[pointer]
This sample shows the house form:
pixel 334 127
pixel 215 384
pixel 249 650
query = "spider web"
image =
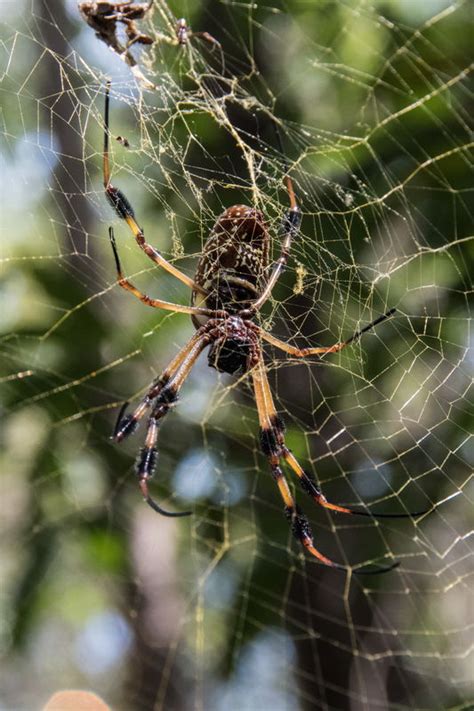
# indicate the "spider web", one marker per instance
pixel 223 610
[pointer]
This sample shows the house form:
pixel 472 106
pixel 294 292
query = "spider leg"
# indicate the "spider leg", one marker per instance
pixel 127 424
pixel 166 399
pixel 148 300
pixel 119 419
pixel 305 352
pixel 162 396
pixel 273 446
pixel 145 467
pixel 307 482
pixel 289 229
pixel 205 36
pixel 310 487
pixel 125 211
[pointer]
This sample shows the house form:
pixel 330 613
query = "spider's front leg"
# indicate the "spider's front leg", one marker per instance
pixel 160 398
pixel 273 446
pixel 272 443
pixel 148 456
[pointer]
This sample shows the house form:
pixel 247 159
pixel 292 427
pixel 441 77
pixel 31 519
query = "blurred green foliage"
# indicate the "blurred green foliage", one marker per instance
pixel 372 111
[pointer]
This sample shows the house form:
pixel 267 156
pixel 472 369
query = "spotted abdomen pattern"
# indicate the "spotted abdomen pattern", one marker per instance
pixel 234 263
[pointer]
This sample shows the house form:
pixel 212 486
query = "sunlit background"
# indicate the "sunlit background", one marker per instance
pixel 221 610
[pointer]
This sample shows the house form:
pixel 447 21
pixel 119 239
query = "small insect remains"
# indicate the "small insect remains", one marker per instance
pixel 234 278
pixel 104 18
pixel 123 140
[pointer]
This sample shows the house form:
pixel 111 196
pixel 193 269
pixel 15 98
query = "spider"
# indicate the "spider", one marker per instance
pixel 230 286
pixel 182 33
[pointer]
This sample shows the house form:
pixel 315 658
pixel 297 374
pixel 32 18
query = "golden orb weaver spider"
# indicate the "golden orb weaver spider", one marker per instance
pixel 229 288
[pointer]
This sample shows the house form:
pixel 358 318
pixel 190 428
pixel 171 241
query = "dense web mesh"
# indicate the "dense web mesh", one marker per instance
pixel 224 610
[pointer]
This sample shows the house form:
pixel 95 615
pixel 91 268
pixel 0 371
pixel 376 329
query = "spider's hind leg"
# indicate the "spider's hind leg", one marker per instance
pixel 125 211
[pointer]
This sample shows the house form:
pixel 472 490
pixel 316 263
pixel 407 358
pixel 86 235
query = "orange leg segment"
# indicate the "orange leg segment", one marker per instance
pixel 322 350
pixel 273 446
pixel 125 211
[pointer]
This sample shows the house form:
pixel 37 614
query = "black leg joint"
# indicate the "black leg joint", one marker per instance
pixel 167 396
pixel 299 523
pixel 278 424
pixel 119 202
pixel 276 472
pixel 270 438
pixel 269 443
pixel 158 386
pixel 146 462
pixel 125 427
pixel 292 221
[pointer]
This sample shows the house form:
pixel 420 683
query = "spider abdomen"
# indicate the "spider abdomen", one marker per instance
pixel 234 262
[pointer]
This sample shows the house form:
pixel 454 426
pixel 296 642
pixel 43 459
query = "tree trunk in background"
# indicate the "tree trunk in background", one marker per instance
pixel 145 682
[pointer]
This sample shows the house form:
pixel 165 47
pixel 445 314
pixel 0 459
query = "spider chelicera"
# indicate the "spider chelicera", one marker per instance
pixel 231 284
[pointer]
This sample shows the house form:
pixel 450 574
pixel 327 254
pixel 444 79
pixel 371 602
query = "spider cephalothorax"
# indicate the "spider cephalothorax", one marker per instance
pixel 236 346
pixel 233 280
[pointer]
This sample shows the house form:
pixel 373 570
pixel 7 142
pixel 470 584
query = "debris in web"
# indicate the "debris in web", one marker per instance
pixel 105 17
pixel 123 140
